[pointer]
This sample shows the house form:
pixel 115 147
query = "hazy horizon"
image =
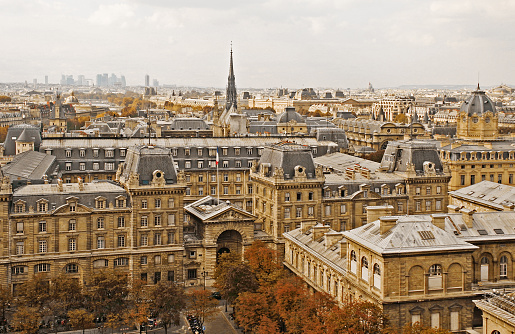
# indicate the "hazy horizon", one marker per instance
pixel 276 43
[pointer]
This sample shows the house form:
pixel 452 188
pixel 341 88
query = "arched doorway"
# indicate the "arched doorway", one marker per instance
pixel 229 241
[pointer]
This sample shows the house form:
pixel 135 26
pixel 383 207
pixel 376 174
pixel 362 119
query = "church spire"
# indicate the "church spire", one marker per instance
pixel 231 95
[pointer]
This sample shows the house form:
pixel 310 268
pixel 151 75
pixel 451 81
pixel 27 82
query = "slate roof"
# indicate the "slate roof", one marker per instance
pixel 290 115
pixel 209 207
pixel 478 103
pixel 317 248
pixel 410 234
pixel 32 193
pixel 14 132
pixel 487 193
pixel 399 154
pixel 30 165
pixel 288 155
pixel 339 162
pixel 144 160
pixel 486 226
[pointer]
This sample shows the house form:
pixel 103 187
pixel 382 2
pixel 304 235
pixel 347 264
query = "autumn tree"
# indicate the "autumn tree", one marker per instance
pixel 264 263
pixel 202 305
pixel 417 328
pixel 80 319
pixel 4 98
pixel 401 118
pixel 107 293
pixel 65 293
pixel 6 299
pixel 137 305
pixel 233 276
pixel 35 292
pixel 3 132
pixel 357 316
pixel 26 320
pixel 252 308
pixel 376 156
pixel 167 300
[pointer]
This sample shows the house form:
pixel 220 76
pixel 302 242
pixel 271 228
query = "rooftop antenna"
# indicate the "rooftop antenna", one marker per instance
pixel 478 80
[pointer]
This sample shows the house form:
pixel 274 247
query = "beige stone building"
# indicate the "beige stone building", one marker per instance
pixel 484 196
pixel 498 312
pixel 422 268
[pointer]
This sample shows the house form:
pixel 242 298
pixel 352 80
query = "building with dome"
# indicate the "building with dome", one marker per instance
pixel 478 153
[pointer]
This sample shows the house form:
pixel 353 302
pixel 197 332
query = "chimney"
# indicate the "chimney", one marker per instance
pixel 60 184
pixel 81 183
pixel 374 212
pixel 349 173
pixel 331 238
pixel 438 220
pixel 453 208
pixel 319 230
pixel 467 216
pixel 343 248
pixel 386 223
pixel 365 172
pixel 306 225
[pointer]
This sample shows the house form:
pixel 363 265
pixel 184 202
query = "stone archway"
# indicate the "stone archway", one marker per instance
pixel 229 241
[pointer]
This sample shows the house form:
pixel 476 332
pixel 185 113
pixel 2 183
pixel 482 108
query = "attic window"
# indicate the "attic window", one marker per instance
pixel 470 193
pixel 492 199
pixel 426 235
pixel 481 196
pixel 498 231
pixel 463 227
pixel 482 232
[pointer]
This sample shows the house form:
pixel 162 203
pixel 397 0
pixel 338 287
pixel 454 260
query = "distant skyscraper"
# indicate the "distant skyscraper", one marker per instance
pixel 99 79
pixel 231 95
pixel 46 79
pixel 35 82
pixel 122 80
pixel 155 83
pixel 105 79
pixel 147 80
pixel 81 80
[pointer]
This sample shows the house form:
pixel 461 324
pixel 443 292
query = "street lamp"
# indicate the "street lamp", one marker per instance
pixel 204 274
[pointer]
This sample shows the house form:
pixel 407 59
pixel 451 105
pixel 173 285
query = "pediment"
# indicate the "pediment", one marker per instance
pixel 232 214
pixel 65 209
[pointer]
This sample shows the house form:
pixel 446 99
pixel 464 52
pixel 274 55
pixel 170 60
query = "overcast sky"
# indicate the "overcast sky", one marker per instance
pixel 288 43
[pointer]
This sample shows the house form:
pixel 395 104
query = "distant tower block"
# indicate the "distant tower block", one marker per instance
pixel 147 80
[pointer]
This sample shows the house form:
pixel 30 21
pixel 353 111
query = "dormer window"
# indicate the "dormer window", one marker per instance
pixel 68 153
pixel 19 207
pixel 82 153
pixel 100 203
pixel 120 202
pixel 95 153
pixel 73 207
pixel 123 152
pixel 42 206
pixel 109 153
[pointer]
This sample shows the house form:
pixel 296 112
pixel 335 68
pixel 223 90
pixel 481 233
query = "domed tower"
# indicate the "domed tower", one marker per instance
pixel 477 118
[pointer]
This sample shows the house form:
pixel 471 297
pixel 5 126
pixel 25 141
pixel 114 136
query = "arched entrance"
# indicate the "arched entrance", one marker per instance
pixel 229 241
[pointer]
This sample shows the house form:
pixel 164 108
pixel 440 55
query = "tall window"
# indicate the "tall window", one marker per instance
pixel 435 276
pixel 144 204
pixel 157 239
pixel 144 221
pixel 157 220
pixel 286 212
pixel 42 246
pixel 377 276
pixel 299 213
pixel 42 226
pixel 353 262
pixel 364 268
pixel 101 242
pixel 157 203
pixel 503 267
pixel 20 248
pixel 121 221
pixel 72 244
pixel 121 241
pixel 100 222
pixel 287 197
pixel 144 240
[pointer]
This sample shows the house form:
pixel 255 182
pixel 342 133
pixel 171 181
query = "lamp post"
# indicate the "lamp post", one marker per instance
pixel 204 274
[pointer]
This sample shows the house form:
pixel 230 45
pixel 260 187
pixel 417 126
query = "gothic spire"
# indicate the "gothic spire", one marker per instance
pixel 231 96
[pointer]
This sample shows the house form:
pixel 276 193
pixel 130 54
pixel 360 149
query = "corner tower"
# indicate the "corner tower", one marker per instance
pixel 477 118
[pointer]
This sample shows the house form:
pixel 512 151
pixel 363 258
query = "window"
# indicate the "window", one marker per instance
pixel 42 226
pixel 327 210
pixel 157 220
pixel 311 211
pixel 377 276
pixel 95 153
pixel 286 213
pixel 364 268
pixel 353 262
pixel 192 273
pixel 157 259
pixel 72 225
pixel 417 191
pixel 17 270
pixel 200 164
pixel 226 177
pixel 171 276
pixel 193 254
pixel 428 205
pixel 171 203
pixel 101 242
pixel 68 166
pixel 72 268
pixel 213 191
pixel 226 190
pixel 144 204
pixel 143 240
pixel 96 166
pixel 157 239
pixel 287 197
pixel 20 248
pixel 418 206
pixel 82 166
pixel 249 189
pixel 298 213
pixel 42 246
pixel 435 320
pixel 199 152
pixel 144 221
pixel 100 223
pixel 299 196
pixel 499 178
pixel 238 163
pixel 143 260
pixel 100 204
pixel 121 241
pixel 503 267
pixel 42 206
pixel 249 151
pixel 435 277
pixel 121 261
pixel 187 164
pixel 462 180
pixel 238 190
pixel 19 227
pixel 438 190
pixel 122 152
pixel 438 204
pixel 171 219
pixel 428 190
pixel 121 221
pixel 201 191
pixel 82 153
pixel 171 237
pixel 225 164
pixel 72 244
pixel 343 208
pixel 399 207
pixel 18 208
pixel 42 268
pixel 187 151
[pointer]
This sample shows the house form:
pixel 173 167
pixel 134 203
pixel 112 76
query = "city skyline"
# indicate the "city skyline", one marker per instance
pixel 276 43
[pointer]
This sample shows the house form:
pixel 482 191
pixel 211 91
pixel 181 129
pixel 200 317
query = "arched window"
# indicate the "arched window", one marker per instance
pixel 364 268
pixel 353 262
pixel 377 276
pixel 496 332
pixel 503 267
pixel 484 268
pixel 435 277
pixel 71 268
